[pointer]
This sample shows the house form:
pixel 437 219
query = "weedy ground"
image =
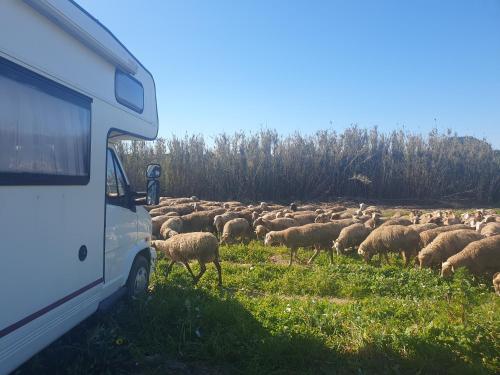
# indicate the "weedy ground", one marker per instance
pixel 345 318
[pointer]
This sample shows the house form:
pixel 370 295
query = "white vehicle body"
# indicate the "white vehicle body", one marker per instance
pixel 68 90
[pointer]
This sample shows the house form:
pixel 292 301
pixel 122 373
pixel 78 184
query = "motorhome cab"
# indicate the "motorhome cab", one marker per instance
pixel 73 236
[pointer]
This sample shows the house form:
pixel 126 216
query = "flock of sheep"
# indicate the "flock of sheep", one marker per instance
pixel 184 229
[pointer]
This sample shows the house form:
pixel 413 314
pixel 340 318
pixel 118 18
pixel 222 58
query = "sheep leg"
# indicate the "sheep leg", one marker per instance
pixel 406 258
pixel 292 251
pixel 169 268
pixel 219 271
pixel 386 257
pixel 330 253
pixel 203 268
pixel 186 264
pixel 316 252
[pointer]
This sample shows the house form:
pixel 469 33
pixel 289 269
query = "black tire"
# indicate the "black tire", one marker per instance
pixel 138 279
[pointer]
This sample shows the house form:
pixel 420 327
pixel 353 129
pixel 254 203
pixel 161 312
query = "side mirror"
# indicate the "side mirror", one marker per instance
pixel 153 192
pixel 153 171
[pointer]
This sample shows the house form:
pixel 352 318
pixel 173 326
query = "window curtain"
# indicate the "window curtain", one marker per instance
pixel 41 133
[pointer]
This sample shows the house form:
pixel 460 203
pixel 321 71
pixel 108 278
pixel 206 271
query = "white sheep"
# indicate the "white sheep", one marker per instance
pixel 350 237
pixel 182 248
pixel 391 238
pixel 234 229
pixel 478 257
pixel 171 227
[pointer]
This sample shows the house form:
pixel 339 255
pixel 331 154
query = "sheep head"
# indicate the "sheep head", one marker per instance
pixel 365 254
pixel 446 269
pixel 423 259
pixel 270 240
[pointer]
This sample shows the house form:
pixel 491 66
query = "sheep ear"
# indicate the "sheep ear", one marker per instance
pixel 452 269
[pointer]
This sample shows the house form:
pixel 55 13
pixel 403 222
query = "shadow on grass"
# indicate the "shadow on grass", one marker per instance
pixel 184 330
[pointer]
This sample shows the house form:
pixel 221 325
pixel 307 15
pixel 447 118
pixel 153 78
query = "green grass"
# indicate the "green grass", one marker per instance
pixel 349 317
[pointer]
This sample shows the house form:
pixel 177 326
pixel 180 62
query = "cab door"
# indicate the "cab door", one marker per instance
pixel 121 221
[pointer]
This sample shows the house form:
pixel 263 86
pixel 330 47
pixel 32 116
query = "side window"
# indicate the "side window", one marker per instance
pixel 115 181
pixel 44 130
pixel 129 91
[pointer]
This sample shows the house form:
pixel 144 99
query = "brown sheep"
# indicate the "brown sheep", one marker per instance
pixel 490 229
pixel 350 237
pixel 261 231
pixel 478 257
pixel 236 229
pixel 445 245
pixel 276 224
pixel 427 236
pixel 158 221
pixel 374 222
pixel 399 221
pixel 341 215
pixel 171 227
pixel 391 238
pixel 322 218
pixel 221 220
pixel 182 209
pixel 183 248
pixel 304 218
pixel 318 235
pixel 200 221
pixel 419 228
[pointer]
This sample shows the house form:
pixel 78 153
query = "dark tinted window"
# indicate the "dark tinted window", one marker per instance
pixel 129 91
pixel 44 130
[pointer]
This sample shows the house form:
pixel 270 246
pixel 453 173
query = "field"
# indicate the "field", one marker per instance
pixel 349 317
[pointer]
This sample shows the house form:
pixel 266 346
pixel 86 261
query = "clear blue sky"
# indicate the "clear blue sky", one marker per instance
pixel 309 65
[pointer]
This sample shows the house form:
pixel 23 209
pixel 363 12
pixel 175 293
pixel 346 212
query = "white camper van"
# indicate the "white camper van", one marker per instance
pixel 73 235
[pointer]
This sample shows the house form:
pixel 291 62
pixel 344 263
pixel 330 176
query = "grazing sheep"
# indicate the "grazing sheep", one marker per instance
pixel 276 224
pixel 200 221
pixel 341 215
pixel 478 257
pixel 171 227
pixel 318 235
pixel 236 229
pixel 362 218
pixel 303 219
pixel 427 236
pixel 158 221
pixel 182 209
pixel 374 222
pixel 350 237
pixel 199 246
pixel 399 221
pixel 496 283
pixel 221 220
pixel 371 210
pixel 337 209
pixel 490 229
pixel 261 231
pixel 419 228
pixel 295 237
pixel 451 219
pixel 322 218
pixel 445 245
pixel 392 238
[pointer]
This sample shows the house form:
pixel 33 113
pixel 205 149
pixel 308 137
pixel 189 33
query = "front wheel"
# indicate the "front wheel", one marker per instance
pixel 138 279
